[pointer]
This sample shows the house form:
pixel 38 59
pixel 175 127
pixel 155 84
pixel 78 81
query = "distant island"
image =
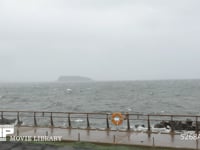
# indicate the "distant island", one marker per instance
pixel 74 79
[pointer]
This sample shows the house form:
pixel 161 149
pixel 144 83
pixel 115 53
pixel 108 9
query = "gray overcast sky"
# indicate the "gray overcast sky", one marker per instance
pixel 102 39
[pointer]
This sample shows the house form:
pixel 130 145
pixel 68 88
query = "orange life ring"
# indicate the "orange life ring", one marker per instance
pixel 117 118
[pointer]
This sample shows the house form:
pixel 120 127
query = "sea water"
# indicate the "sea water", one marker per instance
pixel 157 97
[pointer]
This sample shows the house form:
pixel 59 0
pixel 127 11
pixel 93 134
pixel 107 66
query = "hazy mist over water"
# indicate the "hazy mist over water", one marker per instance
pixel 167 96
pixel 41 40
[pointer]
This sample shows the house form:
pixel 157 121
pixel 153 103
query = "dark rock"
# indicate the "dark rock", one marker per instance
pixel 162 124
pixel 139 125
pixel 189 122
pixel 196 125
pixel 159 125
pixel 7 121
pixel 178 125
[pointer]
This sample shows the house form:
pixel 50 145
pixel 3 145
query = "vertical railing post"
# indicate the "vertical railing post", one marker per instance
pixel 18 121
pixel 107 122
pixel 128 122
pixel 69 121
pixel 172 125
pixel 51 117
pixel 17 131
pixel 197 126
pixel 148 124
pixel 88 123
pixel 35 121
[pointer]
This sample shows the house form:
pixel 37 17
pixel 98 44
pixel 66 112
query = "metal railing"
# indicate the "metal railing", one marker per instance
pixel 90 120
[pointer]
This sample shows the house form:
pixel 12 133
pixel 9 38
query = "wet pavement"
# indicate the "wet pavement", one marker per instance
pixel 98 136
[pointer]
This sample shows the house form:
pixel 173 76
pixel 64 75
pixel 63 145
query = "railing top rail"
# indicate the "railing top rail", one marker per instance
pixel 170 115
pixel 100 113
pixel 55 112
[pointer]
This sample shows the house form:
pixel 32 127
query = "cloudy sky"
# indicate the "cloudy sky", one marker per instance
pixel 102 39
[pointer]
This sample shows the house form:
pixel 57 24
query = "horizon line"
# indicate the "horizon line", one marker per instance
pixel 94 80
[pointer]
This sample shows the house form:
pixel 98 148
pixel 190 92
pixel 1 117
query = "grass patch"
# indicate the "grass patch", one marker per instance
pixel 92 146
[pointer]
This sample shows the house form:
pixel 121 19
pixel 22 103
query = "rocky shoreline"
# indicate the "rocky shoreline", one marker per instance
pixel 187 125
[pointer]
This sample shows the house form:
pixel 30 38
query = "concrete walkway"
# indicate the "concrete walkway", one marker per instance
pixel 117 137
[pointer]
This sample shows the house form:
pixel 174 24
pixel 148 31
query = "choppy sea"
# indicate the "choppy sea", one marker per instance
pixel 158 97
